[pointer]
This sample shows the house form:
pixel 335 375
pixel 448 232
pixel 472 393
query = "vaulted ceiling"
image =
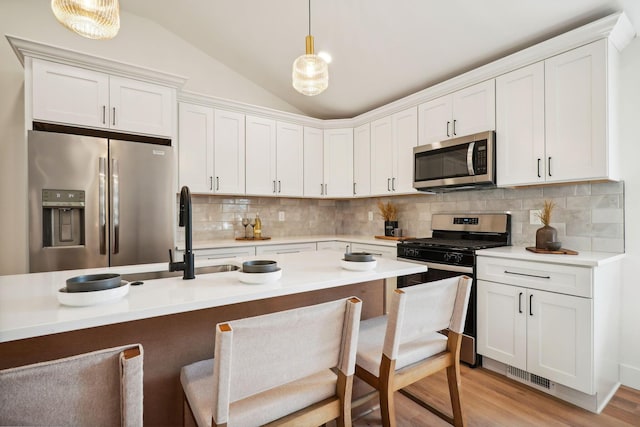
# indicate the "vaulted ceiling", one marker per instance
pixel 382 49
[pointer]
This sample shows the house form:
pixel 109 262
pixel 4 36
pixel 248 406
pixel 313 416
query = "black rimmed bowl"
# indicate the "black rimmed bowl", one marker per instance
pixel 93 282
pixel 358 257
pixel 259 266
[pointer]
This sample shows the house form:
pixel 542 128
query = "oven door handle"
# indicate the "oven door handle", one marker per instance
pixel 447 267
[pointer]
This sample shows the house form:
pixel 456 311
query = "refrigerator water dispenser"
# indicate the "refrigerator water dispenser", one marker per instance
pixel 62 218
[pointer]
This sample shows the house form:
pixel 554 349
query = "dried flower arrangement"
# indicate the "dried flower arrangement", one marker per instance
pixel 388 211
pixel 545 213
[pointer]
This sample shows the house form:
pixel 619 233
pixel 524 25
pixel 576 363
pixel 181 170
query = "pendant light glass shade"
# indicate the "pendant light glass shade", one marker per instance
pixel 93 19
pixel 310 72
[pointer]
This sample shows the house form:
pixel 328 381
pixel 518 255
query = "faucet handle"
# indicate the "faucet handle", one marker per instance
pixel 170 256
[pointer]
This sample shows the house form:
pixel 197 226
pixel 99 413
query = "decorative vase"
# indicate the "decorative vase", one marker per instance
pixel 389 226
pixel 544 235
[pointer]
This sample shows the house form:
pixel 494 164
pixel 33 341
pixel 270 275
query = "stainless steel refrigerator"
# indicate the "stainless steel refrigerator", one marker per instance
pixel 97 202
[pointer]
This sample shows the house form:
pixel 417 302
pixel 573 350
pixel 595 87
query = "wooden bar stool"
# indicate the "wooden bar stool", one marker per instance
pixel 291 368
pixel 102 388
pixel 397 350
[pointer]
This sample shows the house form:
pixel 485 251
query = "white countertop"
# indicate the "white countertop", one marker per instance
pixel 584 259
pixel 29 306
pixel 230 243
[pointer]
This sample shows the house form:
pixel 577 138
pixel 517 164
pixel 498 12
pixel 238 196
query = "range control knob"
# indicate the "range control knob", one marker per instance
pixel 453 257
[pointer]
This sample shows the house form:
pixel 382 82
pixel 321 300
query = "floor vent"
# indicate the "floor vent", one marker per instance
pixel 530 379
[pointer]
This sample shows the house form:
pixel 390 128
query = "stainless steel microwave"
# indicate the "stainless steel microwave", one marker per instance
pixel 464 162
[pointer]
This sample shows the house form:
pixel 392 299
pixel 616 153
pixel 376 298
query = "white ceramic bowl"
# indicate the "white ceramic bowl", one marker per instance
pixel 259 278
pixel 81 299
pixel 358 266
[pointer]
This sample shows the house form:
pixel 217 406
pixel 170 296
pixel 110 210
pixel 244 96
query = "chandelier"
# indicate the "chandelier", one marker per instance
pixel 93 19
pixel 310 72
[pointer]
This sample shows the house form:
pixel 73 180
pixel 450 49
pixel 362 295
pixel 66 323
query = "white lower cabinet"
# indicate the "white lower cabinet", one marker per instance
pixel 552 326
pixel 544 333
pixel 332 245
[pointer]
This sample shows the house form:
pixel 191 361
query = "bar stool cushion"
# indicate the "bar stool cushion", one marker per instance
pixel 198 381
pixel 371 343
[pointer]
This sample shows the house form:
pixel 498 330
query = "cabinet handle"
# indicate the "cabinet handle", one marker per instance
pixel 211 183
pixel 104 114
pixel 528 275
pixel 114 116
pixel 326 192
pixel 448 129
pixel 354 188
pixel 388 184
pixel 274 186
pixel 549 166
pixel 530 304
pixel 217 183
pixel 279 187
pixel 520 302
pixel 321 189
pixel 539 159
pixel 454 127
pixel 393 184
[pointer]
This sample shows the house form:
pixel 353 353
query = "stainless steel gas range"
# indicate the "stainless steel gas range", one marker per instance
pixel 451 251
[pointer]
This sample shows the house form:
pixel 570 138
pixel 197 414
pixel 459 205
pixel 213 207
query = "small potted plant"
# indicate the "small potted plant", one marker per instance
pixel 546 234
pixel 388 212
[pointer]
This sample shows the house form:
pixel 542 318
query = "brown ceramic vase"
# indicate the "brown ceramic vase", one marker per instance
pixel 544 235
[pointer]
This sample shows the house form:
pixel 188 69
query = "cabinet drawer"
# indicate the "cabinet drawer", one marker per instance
pixel 286 249
pixel 333 245
pixel 564 279
pixel 386 251
pixel 225 252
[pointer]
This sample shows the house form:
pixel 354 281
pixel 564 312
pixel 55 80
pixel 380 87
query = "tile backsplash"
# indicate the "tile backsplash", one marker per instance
pixel 587 216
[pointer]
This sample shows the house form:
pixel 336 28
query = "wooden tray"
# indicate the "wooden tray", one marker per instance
pixel 560 251
pixel 253 238
pixel 399 239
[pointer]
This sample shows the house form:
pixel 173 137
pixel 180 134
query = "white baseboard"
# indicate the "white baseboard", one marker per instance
pixel 630 376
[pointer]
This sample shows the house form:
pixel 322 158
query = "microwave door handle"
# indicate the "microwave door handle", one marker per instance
pixel 470 159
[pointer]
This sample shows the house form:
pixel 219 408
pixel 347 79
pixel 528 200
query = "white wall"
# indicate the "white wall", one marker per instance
pixel 140 42
pixel 630 139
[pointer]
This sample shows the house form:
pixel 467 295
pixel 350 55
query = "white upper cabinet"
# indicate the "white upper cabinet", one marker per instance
pixel 195 147
pixel 274 158
pixel 261 156
pixel 210 150
pixel 576 114
pixel 338 162
pixel 552 119
pixel 75 96
pixel 392 142
pixel 404 126
pixel 313 162
pixel 464 112
pixel 362 161
pixel 229 149
pixel 520 126
pixel 289 159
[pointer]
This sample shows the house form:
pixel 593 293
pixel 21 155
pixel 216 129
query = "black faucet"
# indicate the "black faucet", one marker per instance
pixel 187 265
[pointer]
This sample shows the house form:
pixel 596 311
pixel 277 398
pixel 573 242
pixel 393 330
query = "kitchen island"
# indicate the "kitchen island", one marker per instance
pixel 173 319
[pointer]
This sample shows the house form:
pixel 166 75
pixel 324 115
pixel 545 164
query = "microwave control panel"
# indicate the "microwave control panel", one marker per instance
pixel 480 158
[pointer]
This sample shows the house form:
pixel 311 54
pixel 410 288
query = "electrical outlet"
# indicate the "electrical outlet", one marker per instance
pixel 281 216
pixel 370 216
pixel 534 217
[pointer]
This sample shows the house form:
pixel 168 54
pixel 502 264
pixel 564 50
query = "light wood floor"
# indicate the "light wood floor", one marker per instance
pixel 493 400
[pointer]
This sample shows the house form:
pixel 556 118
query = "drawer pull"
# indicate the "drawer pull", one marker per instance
pixel 528 275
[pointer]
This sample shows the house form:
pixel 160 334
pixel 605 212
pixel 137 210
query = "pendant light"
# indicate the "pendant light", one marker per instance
pixel 310 72
pixel 93 19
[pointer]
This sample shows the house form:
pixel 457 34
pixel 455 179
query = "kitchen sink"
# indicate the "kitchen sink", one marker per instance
pixel 150 275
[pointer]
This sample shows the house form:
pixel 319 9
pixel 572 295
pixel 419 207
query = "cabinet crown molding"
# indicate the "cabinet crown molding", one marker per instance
pixel 29 48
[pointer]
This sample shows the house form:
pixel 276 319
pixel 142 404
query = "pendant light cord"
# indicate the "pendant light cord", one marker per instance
pixel 309 17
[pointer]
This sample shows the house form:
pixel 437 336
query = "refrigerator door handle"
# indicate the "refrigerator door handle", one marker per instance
pixel 102 203
pixel 115 189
